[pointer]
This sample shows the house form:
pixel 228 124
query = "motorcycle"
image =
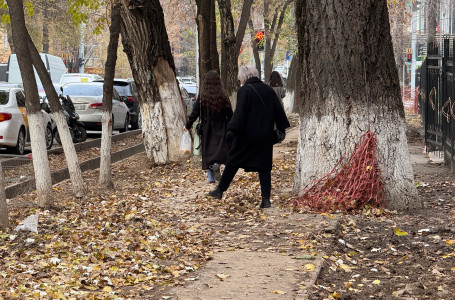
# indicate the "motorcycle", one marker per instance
pixel 76 127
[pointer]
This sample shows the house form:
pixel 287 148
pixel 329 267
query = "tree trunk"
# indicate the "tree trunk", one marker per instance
pixel 146 45
pixel 105 180
pixel 231 43
pixel 293 98
pixel 34 114
pixel 45 27
pixel 257 59
pixel 272 33
pixel 74 169
pixel 4 222
pixel 432 18
pixel 206 26
pixel 338 106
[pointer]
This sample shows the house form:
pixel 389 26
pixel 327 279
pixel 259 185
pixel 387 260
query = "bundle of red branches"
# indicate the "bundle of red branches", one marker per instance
pixel 352 183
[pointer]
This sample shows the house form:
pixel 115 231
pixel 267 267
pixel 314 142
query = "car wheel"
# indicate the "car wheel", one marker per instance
pixel 138 123
pixel 49 137
pixel 20 145
pixel 125 125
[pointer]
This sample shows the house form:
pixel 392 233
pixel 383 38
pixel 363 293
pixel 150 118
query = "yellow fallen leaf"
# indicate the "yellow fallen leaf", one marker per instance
pixel 368 168
pixel 278 292
pixel 222 276
pixel 336 295
pixel 130 215
pixel 308 268
pixel 377 281
pixel 107 289
pixel 449 242
pixel 263 217
pixel 399 232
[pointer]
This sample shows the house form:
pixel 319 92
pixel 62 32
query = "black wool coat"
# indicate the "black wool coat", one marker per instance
pixel 214 126
pixel 253 123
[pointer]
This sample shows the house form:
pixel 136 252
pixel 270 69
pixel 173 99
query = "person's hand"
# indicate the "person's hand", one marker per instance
pixel 230 137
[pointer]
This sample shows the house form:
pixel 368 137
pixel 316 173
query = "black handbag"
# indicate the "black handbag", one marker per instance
pixel 278 135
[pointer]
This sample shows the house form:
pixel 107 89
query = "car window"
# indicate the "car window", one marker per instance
pixel 115 95
pixel 122 89
pixel 4 97
pixel 83 90
pixel 20 99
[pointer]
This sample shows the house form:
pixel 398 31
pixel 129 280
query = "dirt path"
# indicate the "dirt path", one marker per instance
pixel 257 254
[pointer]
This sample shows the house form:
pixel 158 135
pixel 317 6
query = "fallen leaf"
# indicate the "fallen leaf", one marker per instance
pixel 222 276
pixel 399 232
pixel 278 292
pixel 308 268
pixel 377 281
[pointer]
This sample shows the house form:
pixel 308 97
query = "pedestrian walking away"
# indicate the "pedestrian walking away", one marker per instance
pixel 250 133
pixel 276 82
pixel 215 111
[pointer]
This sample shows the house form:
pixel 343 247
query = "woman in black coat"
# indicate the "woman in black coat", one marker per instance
pixel 216 112
pixel 250 133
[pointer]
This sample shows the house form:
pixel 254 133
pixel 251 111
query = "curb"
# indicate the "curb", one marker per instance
pixel 19 160
pixel 63 174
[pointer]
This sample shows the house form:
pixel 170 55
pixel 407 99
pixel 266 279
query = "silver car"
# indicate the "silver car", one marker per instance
pixel 88 101
pixel 14 130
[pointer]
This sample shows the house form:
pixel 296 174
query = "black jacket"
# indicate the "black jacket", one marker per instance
pixel 253 122
pixel 214 126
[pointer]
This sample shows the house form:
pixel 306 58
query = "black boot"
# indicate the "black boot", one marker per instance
pixel 265 203
pixel 217 193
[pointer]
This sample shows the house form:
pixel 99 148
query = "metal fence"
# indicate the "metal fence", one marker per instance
pixel 436 99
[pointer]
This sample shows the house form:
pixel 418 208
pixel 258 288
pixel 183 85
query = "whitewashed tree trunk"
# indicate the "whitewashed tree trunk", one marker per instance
pixel 105 180
pixel 147 47
pixel 40 160
pixel 349 84
pixel 4 222
pixel 72 161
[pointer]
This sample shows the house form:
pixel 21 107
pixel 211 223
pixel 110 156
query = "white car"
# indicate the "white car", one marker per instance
pixel 88 102
pixel 78 77
pixel 14 131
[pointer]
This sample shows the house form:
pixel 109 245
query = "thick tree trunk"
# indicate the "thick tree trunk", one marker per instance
pixel 74 169
pixel 338 106
pixel 293 98
pixel 206 26
pixel 45 27
pixel 105 180
pixel 34 114
pixel 147 47
pixel 4 221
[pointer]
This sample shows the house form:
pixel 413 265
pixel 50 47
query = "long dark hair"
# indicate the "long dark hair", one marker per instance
pixel 275 79
pixel 213 95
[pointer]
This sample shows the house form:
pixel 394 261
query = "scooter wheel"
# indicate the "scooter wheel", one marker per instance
pixel 81 135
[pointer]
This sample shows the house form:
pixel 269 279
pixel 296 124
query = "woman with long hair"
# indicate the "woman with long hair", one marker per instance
pixel 276 82
pixel 215 111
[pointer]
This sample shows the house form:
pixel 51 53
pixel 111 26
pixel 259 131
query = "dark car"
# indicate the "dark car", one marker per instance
pixel 126 88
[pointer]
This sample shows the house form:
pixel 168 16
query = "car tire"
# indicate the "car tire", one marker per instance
pixel 125 125
pixel 49 137
pixel 138 123
pixel 20 145
pixel 82 137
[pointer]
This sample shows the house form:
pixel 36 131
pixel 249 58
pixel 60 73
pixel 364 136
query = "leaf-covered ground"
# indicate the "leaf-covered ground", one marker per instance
pixel 399 255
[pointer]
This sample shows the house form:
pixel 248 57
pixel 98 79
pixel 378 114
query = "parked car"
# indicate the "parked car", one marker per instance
pixel 88 101
pixel 14 130
pixel 54 65
pixel 188 102
pixel 78 77
pixel 191 89
pixel 126 88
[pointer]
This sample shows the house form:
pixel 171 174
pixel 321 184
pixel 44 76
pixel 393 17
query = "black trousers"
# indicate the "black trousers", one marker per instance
pixel 264 178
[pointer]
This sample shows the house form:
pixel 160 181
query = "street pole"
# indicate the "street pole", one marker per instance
pixel 81 49
pixel 414 52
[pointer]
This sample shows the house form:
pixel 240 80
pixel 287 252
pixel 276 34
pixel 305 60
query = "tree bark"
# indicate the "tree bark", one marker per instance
pixel 34 114
pixel 272 33
pixel 105 180
pixel 293 98
pixel 206 26
pixel 45 27
pixel 257 58
pixel 4 221
pixel 432 18
pixel 355 88
pixel 74 169
pixel 146 45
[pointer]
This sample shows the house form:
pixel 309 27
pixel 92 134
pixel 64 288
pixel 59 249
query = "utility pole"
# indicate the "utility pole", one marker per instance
pixel 414 50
